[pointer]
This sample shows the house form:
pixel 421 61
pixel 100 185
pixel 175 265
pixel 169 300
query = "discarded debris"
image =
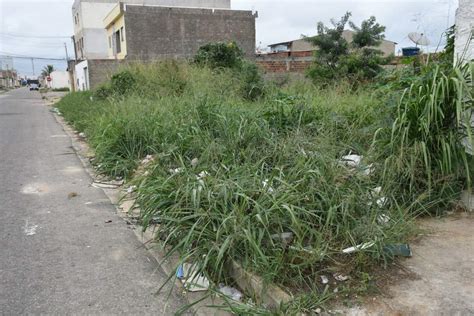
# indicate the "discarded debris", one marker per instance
pixel 108 221
pixel 202 175
pixel 352 161
pixel 82 135
pixel 265 184
pixel 358 247
pixel 324 279
pixel 192 280
pixel 147 160
pixel 231 292
pixel 383 219
pixel 176 171
pixel 340 277
pixel 131 189
pixel 401 250
pixel 30 230
pixel 285 238
pixel 194 162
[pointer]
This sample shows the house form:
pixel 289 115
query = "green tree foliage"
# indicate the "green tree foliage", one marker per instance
pixel 47 70
pixel 359 60
pixel 219 55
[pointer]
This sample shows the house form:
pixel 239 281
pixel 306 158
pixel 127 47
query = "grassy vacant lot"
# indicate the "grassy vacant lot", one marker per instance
pixel 231 174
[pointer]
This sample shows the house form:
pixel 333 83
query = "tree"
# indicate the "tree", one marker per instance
pixel 47 70
pixel 335 58
pixel 331 47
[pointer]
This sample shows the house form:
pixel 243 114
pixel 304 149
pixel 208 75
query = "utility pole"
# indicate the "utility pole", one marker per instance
pixel 33 66
pixel 67 57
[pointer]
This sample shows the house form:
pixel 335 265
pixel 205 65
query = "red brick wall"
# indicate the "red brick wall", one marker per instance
pixel 285 62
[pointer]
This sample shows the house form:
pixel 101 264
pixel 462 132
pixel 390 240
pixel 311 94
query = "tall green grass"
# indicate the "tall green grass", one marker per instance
pixel 231 175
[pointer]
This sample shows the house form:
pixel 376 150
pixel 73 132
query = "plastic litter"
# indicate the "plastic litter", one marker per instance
pixel 131 189
pixel 267 186
pixel 231 292
pixel 401 250
pixel 324 279
pixel 202 175
pixel 358 247
pixel 176 171
pixel 83 135
pixel 192 280
pixel 383 219
pixel 194 162
pixel 285 238
pixel 340 277
pixel 147 160
pixel 352 160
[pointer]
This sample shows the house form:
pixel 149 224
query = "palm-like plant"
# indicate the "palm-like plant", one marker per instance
pixel 47 70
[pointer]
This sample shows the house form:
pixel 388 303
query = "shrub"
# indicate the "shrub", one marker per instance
pixel 252 81
pixel 123 82
pixel 219 55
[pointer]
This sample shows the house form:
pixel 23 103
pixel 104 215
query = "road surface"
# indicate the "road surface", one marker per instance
pixel 58 253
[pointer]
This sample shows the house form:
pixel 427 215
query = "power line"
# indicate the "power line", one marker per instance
pixel 6 54
pixel 32 36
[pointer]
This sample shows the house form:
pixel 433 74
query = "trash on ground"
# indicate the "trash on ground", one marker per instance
pixel 352 161
pixel 285 238
pixel 176 171
pixel 324 279
pixel 231 292
pixel 180 272
pixel 358 247
pixel 192 280
pixel 131 189
pixel 194 162
pixel 401 250
pixel 266 186
pixel 107 185
pixel 202 175
pixel 108 221
pixel 368 170
pixel 147 159
pixel 82 135
pixel 340 277
pixel 383 219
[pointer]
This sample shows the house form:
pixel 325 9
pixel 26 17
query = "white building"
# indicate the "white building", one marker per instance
pixel 88 18
pixel 464 43
pixel 59 79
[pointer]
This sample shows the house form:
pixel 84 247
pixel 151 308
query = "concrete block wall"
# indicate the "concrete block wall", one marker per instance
pixel 279 63
pixel 165 32
pixel 101 70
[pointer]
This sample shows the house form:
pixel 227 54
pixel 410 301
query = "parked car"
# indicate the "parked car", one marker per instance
pixel 33 84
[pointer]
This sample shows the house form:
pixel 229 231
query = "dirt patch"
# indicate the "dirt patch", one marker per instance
pixel 438 280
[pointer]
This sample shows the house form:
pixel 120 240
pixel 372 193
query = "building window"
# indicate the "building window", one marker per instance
pixel 117 42
pixel 121 33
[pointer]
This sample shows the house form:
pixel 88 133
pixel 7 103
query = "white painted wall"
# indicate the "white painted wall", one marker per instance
pixel 59 79
pixel 91 15
pixel 464 43
pixel 81 76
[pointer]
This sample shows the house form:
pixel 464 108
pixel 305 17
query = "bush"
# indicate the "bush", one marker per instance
pixel 219 55
pixel 252 81
pixel 123 82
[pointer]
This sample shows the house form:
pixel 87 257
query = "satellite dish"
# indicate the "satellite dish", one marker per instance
pixel 419 39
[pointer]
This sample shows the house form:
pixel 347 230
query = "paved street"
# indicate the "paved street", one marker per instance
pixel 57 253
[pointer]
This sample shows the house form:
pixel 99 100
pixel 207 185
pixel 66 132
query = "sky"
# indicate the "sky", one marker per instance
pixel 40 28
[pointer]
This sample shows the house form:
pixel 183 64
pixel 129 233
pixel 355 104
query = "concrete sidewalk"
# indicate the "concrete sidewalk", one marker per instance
pixel 63 248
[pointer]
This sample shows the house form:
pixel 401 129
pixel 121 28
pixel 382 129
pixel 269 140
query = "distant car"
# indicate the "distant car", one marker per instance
pixel 34 86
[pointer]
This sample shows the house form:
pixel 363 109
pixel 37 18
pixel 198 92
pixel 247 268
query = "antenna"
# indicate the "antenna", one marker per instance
pixel 419 39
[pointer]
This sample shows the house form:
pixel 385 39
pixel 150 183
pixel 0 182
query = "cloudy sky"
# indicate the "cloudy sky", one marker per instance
pixel 39 28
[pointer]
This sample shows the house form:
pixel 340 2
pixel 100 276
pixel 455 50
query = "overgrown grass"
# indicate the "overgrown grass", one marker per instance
pixel 230 176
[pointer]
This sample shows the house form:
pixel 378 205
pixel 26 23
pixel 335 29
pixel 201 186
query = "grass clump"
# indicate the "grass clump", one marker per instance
pixel 234 173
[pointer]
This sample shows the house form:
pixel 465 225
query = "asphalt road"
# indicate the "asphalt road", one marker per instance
pixel 57 253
